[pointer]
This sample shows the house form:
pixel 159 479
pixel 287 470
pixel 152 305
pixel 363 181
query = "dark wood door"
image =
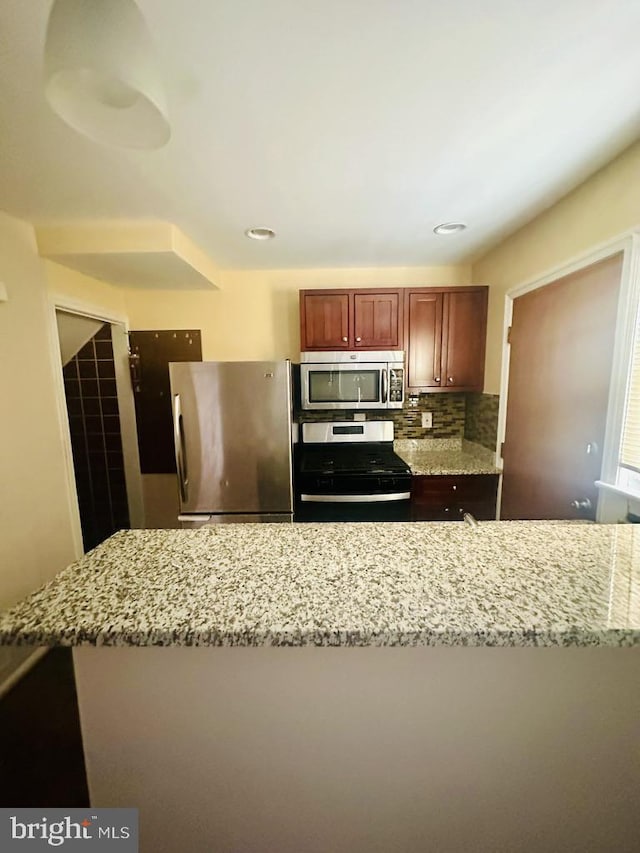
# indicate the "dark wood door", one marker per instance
pixel 464 331
pixel 377 320
pixel 561 353
pixel 151 353
pixel 423 337
pixel 324 321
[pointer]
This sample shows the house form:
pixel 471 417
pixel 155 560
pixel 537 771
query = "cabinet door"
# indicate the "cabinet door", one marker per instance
pixel 476 493
pixel 423 339
pixel 324 321
pixel 447 497
pixel 464 329
pixel 377 320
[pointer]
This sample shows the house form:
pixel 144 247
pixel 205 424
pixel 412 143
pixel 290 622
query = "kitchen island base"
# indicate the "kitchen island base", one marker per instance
pixel 366 750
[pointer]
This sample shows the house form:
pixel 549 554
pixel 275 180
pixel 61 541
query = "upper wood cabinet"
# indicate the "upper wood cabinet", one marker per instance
pixel 324 320
pixel 445 334
pixel 443 330
pixel 367 319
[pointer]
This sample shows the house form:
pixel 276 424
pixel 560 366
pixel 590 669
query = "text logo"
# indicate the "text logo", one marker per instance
pixel 35 830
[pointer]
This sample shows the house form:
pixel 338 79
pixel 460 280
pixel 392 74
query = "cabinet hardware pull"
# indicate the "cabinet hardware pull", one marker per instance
pixel 358 338
pixel 450 379
pixel 436 379
pixel 345 340
pixel 585 503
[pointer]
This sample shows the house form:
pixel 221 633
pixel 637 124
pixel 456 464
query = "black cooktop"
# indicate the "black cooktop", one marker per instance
pixel 364 458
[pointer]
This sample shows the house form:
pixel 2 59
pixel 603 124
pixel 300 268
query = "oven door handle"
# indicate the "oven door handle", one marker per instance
pixel 360 499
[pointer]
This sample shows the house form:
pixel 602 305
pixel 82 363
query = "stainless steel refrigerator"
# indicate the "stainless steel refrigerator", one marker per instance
pixel 233 438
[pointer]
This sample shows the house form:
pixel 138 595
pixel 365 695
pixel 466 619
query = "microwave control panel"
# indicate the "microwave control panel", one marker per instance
pixel 396 384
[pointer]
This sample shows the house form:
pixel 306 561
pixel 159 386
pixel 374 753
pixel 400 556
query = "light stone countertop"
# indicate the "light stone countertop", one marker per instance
pixel 449 456
pixel 402 584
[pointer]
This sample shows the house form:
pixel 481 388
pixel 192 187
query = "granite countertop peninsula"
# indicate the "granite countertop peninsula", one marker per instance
pixel 394 584
pixel 453 456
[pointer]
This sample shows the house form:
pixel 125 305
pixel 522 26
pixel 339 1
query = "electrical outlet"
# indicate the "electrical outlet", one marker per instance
pixel 427 420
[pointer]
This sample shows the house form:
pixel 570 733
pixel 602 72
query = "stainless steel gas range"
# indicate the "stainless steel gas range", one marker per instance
pixel 348 471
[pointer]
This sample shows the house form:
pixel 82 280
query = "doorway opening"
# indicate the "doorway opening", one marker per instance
pixel 105 460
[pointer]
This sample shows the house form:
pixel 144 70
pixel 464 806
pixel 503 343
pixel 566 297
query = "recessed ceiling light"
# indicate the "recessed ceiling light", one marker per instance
pixel 449 228
pixel 260 233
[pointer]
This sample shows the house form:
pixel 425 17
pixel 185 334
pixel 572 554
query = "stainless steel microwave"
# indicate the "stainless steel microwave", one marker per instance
pixel 352 380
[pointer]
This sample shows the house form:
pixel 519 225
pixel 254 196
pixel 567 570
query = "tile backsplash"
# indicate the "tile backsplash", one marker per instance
pixel 481 424
pixel 448 416
pixel 448 411
pixel 470 416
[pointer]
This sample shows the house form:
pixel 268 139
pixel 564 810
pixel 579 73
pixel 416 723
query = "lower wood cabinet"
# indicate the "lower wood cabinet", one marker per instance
pixel 448 497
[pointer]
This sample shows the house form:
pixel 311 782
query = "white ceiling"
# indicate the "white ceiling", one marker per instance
pixel 351 127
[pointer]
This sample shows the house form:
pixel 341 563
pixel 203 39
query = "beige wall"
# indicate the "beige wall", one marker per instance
pixel 36 522
pixel 36 538
pixel 601 208
pixel 72 286
pixel 255 313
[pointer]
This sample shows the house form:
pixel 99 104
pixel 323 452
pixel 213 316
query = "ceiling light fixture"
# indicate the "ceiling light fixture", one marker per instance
pixel 449 228
pixel 260 233
pixel 102 75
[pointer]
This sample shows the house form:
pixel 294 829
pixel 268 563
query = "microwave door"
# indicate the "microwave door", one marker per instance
pixel 366 387
pixel 342 392
pixel 358 389
pixel 348 386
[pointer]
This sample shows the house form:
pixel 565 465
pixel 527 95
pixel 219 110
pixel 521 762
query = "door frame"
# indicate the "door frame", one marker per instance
pixel 628 305
pixel 57 302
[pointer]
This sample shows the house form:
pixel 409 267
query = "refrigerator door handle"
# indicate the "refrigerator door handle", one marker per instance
pixel 181 456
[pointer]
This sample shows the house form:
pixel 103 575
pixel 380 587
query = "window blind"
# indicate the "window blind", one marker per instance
pixel 630 449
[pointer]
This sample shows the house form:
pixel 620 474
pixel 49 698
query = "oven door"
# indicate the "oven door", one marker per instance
pixel 344 386
pixel 323 508
pixel 366 498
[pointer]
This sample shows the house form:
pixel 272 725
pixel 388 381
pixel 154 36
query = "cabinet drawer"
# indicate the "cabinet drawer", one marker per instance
pixel 459 486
